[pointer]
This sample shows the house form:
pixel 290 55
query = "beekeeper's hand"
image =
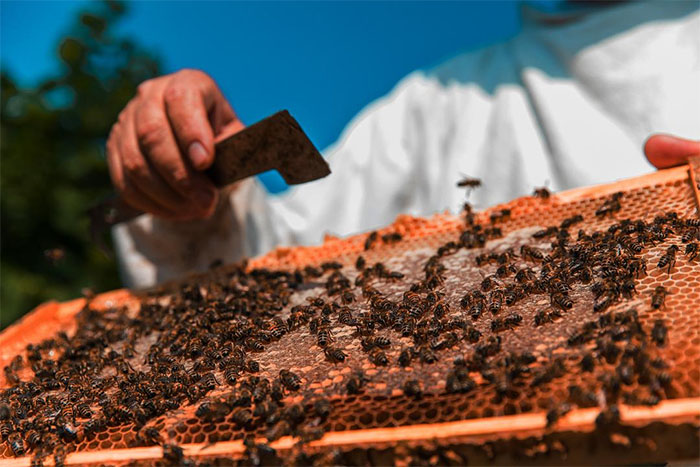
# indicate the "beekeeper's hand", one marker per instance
pixel 162 141
pixel 665 151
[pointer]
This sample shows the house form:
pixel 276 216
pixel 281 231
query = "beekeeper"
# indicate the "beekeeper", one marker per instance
pixel 570 101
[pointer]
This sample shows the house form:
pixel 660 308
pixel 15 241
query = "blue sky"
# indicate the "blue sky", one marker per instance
pixel 324 61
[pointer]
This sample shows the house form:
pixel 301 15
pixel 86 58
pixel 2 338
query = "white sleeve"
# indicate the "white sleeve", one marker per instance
pixel 387 161
pixel 152 250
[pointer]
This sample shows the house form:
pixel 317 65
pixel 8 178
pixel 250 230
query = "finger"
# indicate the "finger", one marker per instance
pixel 159 147
pixel 665 151
pixel 141 173
pixel 196 110
pixel 124 186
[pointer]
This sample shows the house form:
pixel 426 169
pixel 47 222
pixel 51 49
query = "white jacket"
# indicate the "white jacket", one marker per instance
pixel 568 102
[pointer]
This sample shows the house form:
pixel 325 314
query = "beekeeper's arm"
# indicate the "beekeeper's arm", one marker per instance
pixel 389 161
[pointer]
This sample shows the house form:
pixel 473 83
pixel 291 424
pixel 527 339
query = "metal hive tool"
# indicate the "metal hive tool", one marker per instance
pixel 382 424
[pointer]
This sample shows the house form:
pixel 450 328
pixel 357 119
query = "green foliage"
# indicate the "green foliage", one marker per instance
pixel 53 165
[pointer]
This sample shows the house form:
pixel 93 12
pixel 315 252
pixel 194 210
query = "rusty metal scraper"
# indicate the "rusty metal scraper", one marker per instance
pixel 276 142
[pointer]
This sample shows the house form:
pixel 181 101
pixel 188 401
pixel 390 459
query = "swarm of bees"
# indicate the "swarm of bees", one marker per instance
pixel 204 342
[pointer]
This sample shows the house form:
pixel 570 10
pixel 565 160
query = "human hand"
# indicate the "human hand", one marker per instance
pixel 164 139
pixel 665 151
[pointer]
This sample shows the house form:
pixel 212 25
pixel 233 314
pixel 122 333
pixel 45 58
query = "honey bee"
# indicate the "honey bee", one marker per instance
pixel 426 355
pixel 54 255
pixel 658 297
pixel 331 265
pixel 469 182
pixel 378 357
pixel 668 259
pixel 689 235
pixel 531 253
pixel 392 237
pixel 412 388
pixel 555 413
pixel 33 438
pixel 335 355
pixel 569 221
pixel 542 193
pixel 355 383
pixel 548 232
pixel 324 337
pixel 360 263
pixel 500 215
pixel 405 357
pixel 371 240
pixel 610 206
pixel 659 333
pixel 173 453
pixel 290 380
pixel 562 301
pixel 544 317
pixel 5 430
pixel 458 381
pixel 691 250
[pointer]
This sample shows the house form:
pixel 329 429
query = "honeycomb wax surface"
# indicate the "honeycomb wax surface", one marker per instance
pixel 123 363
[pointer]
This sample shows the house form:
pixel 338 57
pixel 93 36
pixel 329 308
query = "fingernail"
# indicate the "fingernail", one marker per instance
pixel 198 155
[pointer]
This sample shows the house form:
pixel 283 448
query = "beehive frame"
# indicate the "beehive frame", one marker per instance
pixel 671 189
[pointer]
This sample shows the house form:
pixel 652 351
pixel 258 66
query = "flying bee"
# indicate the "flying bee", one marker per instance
pixel 54 255
pixel 542 193
pixel 658 297
pixel 469 182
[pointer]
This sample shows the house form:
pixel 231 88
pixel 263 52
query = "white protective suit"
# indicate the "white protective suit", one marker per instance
pixel 567 102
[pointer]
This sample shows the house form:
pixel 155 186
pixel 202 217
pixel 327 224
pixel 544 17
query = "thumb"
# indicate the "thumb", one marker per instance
pixel 665 151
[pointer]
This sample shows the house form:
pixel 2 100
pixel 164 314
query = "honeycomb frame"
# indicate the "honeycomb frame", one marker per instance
pixel 677 413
